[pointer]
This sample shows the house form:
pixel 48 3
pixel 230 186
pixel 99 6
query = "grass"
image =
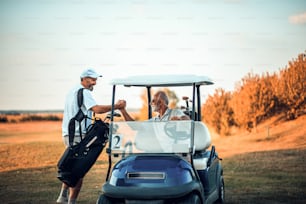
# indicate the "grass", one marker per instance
pixel 37 183
pixel 273 173
pixel 29 155
pixel 266 177
pixel 40 185
pixel 260 177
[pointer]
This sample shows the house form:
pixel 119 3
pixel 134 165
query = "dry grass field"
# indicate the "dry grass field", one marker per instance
pixel 266 166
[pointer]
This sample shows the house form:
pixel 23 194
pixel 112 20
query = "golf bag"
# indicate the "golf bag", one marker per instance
pixel 78 159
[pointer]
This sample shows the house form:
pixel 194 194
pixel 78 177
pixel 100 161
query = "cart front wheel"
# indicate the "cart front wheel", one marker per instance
pixel 191 198
pixel 104 200
pixel 221 198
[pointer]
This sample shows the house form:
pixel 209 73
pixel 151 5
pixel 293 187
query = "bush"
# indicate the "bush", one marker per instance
pixel 3 119
pixel 257 98
pixel 40 118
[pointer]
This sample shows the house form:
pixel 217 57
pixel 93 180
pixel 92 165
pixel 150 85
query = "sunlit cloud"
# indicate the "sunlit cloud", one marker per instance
pixel 298 18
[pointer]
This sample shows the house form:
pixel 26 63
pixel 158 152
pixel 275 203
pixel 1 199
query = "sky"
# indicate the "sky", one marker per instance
pixel 45 45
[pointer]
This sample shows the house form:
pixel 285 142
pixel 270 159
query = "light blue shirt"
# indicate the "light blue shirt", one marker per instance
pixel 71 109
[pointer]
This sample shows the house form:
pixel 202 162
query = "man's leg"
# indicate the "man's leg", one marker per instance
pixel 63 196
pixel 74 192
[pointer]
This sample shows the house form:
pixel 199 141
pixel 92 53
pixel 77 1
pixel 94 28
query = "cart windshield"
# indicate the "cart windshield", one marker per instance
pixel 151 137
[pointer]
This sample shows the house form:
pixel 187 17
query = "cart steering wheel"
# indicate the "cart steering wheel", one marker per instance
pixel 170 129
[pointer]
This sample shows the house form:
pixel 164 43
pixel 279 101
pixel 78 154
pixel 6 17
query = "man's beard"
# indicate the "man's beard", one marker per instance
pixel 91 88
pixel 155 108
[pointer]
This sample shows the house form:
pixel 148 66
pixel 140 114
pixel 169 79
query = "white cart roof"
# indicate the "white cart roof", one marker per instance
pixel 162 80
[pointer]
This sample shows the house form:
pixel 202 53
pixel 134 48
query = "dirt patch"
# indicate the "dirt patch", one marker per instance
pixel 268 136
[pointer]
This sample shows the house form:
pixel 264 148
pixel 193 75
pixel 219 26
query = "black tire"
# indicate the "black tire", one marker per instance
pixel 221 191
pixel 103 200
pixel 192 198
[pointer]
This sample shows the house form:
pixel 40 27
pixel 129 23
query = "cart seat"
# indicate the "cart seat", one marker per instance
pixel 152 138
pixel 202 139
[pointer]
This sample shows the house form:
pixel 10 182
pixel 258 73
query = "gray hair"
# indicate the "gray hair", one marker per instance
pixel 163 96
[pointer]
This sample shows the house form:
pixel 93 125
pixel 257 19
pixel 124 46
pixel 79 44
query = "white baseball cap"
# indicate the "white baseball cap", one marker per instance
pixel 90 73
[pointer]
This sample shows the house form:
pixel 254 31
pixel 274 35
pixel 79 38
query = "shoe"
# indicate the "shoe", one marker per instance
pixel 61 199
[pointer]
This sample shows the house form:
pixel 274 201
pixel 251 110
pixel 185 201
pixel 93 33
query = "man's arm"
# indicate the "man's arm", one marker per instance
pixel 183 117
pixel 179 115
pixel 126 115
pixel 106 108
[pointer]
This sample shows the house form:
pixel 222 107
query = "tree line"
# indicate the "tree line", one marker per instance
pixel 259 97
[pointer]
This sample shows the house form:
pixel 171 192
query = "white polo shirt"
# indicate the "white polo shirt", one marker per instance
pixel 168 114
pixel 71 109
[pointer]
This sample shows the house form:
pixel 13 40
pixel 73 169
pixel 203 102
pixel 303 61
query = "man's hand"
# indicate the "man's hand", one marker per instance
pixel 121 104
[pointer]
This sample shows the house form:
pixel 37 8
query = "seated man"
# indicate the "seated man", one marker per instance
pixel 160 104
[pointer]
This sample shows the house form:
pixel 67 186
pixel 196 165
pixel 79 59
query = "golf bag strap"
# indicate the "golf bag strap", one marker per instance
pixel 80 103
pixel 79 117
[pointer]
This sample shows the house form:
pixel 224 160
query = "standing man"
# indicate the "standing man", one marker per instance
pixel 89 106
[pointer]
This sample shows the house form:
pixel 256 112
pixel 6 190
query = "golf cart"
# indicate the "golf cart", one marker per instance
pixel 162 161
